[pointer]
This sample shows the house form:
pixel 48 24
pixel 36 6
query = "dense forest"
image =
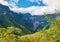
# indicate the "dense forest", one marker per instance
pixel 51 34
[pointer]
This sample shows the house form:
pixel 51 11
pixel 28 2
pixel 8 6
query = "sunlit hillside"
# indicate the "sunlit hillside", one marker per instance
pixel 52 34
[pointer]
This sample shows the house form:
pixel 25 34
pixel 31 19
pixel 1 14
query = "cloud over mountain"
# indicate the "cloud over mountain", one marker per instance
pixel 50 7
pixel 3 2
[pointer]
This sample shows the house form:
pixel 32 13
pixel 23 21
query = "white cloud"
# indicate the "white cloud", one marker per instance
pixel 10 3
pixel 37 10
pixel 3 2
pixel 34 10
pixel 13 1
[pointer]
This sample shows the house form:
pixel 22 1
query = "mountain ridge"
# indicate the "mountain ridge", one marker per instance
pixel 25 21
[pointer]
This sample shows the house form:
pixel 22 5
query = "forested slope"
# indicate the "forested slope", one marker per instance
pixel 13 34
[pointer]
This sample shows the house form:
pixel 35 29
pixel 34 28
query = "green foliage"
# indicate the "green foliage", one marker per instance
pixel 9 34
pixel 4 21
pixel 13 34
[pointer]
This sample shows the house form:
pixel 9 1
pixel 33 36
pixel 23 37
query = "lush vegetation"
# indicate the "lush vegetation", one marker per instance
pixel 52 34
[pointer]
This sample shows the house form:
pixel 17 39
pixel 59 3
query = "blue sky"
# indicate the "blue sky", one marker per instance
pixel 26 3
pixel 34 7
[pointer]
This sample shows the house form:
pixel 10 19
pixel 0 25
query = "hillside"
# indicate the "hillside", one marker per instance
pixel 25 21
pixel 20 27
pixel 29 20
pixel 52 34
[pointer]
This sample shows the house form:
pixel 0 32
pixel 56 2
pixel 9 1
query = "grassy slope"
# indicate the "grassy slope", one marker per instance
pixel 49 35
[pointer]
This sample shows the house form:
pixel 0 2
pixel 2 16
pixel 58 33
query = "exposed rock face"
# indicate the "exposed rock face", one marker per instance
pixel 35 25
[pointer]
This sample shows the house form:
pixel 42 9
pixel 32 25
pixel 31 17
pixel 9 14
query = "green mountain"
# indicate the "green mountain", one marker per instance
pixel 13 34
pixel 18 27
pixel 7 19
pixel 26 22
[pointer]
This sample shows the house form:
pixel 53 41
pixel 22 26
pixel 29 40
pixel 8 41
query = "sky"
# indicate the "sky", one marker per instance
pixel 34 7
